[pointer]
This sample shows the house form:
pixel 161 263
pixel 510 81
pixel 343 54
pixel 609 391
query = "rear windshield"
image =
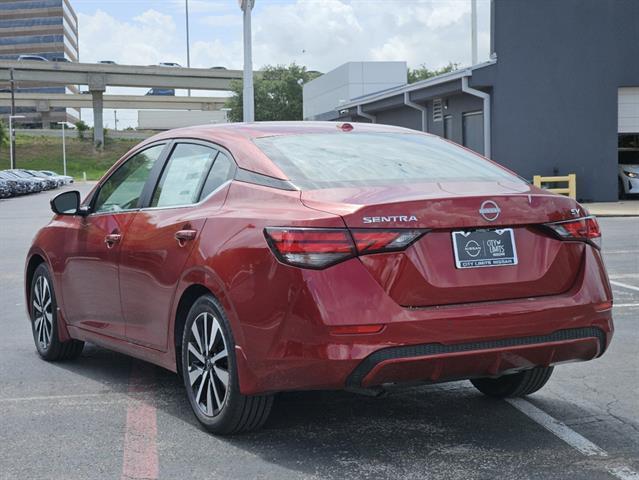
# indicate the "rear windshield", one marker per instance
pixel 325 160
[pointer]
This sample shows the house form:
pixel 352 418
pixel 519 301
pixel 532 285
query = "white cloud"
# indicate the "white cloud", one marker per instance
pixel 217 53
pixel 147 39
pixel 222 21
pixel 321 34
pixel 205 6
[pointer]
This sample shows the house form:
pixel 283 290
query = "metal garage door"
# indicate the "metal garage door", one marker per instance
pixel 628 113
pixel 473 131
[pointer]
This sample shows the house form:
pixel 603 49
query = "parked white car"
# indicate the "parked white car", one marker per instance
pixel 628 179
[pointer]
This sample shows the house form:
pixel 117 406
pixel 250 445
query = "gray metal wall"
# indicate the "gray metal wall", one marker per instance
pixel 559 64
pixel 407 117
pixel 402 117
pixel 457 105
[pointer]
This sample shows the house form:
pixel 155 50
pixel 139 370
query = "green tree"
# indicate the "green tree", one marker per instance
pixel 81 127
pixel 422 72
pixel 278 93
pixel 4 134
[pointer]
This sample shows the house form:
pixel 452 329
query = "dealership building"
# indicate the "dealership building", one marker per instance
pixel 559 95
pixel 48 29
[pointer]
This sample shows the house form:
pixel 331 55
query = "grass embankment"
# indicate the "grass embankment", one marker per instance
pixel 45 153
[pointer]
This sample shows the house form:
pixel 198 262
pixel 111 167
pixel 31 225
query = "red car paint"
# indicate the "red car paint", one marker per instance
pixel 124 293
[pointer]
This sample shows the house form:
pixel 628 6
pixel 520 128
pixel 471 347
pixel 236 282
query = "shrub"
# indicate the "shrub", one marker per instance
pixel 82 128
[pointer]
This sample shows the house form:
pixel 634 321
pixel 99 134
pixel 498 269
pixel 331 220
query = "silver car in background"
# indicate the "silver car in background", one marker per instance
pixel 65 179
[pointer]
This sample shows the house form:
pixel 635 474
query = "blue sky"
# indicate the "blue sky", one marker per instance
pixel 321 34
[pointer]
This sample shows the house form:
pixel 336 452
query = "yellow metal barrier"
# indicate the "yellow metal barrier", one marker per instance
pixel 570 190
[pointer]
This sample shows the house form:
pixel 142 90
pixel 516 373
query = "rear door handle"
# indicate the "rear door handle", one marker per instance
pixel 112 239
pixel 183 236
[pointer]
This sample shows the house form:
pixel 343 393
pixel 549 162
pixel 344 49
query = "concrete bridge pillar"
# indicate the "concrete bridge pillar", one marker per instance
pixel 97 87
pixel 98 118
pixel 44 109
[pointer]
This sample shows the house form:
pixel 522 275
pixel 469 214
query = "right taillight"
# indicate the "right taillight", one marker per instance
pixel 584 229
pixel 322 247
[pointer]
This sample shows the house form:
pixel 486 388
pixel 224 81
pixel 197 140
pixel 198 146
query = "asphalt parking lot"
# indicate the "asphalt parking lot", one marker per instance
pixel 108 416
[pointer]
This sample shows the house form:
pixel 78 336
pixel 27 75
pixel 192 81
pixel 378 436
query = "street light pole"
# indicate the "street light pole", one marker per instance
pixel 473 32
pixel 248 95
pixel 12 147
pixel 12 142
pixel 64 148
pixel 188 42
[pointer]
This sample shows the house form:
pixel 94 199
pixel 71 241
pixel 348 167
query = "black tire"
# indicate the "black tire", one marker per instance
pixel 220 408
pixel 514 385
pixel 44 320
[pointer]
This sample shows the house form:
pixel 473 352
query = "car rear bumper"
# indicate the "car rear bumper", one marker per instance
pixel 432 344
pixel 434 362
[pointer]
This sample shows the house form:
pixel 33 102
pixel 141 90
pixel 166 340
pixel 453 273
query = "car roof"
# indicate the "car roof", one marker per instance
pixel 237 138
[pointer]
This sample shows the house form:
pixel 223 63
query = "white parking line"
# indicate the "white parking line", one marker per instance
pixel 560 429
pixel 626 305
pixel 617 276
pixel 56 397
pixel 624 285
pixel 572 438
pixel 624 473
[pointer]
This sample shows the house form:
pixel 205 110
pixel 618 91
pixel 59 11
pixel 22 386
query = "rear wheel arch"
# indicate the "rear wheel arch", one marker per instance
pixel 34 262
pixel 188 298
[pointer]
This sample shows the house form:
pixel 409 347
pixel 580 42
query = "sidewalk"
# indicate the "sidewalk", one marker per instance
pixel 625 208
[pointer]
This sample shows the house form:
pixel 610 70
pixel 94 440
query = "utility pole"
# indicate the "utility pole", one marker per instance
pixel 248 95
pixel 64 148
pixel 188 42
pixel 115 120
pixel 12 143
pixel 12 139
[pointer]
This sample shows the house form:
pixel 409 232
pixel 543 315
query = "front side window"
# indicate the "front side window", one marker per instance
pixel 184 175
pixel 122 190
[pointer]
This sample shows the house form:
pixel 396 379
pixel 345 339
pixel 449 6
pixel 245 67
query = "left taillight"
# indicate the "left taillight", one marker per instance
pixel 584 229
pixel 319 248
pixel 310 247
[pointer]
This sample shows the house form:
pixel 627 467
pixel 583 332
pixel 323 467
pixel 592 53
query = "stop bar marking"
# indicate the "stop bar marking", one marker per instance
pixel 572 438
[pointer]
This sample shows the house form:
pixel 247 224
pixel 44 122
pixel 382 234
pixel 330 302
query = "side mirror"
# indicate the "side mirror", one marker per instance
pixel 67 203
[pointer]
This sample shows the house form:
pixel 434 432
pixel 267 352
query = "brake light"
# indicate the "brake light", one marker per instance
pixel 373 241
pixel 310 247
pixel 585 229
pixel 322 247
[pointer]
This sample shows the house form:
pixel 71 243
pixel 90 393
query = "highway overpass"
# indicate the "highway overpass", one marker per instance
pixel 44 102
pixel 96 77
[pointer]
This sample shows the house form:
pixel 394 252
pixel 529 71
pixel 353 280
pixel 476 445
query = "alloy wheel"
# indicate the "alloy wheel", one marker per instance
pixel 207 359
pixel 42 312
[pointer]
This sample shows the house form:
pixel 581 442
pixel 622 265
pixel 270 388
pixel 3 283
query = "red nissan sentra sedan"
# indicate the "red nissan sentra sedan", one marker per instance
pixel 258 258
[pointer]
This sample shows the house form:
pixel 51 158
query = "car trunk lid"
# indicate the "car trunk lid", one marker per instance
pixel 426 273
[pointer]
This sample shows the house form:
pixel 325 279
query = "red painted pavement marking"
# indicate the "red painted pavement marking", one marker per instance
pixel 140 437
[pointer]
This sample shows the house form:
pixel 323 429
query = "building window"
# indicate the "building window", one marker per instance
pixel 448 127
pixel 438 114
pixel 473 131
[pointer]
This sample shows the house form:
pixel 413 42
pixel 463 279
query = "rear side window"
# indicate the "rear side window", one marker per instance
pixel 184 175
pixel 221 171
pixel 325 160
